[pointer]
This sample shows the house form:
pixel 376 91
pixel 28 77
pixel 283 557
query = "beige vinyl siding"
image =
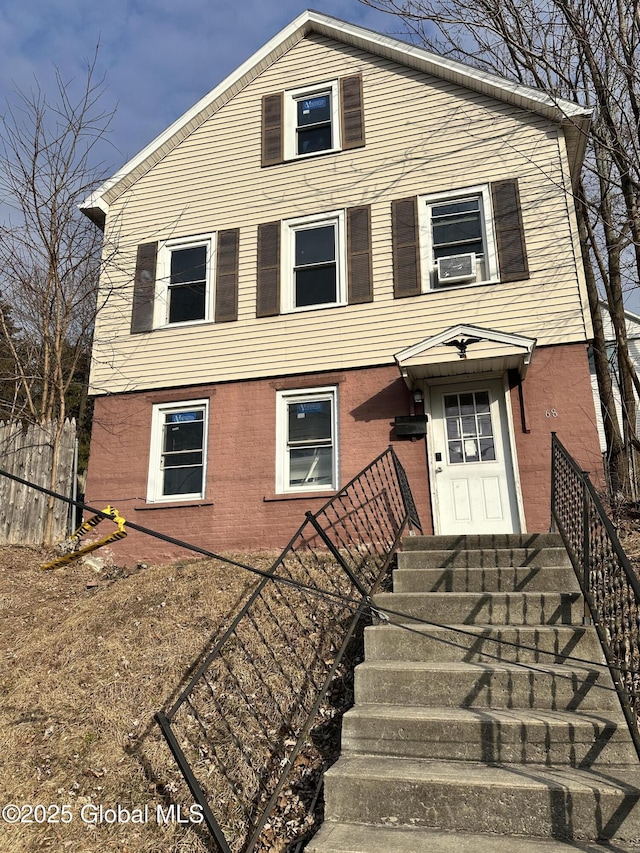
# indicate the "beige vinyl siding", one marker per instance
pixel 423 136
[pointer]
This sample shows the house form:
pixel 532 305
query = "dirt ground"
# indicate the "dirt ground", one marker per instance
pixel 88 658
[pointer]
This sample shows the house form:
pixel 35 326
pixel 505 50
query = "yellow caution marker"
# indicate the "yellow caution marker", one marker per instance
pixel 70 545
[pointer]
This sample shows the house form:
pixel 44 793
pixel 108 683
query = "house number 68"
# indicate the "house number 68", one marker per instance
pixel 551 413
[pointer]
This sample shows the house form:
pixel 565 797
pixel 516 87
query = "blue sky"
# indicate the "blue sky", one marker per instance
pixel 159 56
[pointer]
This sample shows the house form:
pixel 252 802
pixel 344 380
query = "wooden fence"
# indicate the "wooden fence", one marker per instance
pixel 27 452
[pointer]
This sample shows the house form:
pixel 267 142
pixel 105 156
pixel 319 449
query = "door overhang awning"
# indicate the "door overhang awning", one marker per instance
pixel 464 350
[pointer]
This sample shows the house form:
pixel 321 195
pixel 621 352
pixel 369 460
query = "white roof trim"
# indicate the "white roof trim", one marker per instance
pixel 628 314
pixel 526 344
pixel 525 97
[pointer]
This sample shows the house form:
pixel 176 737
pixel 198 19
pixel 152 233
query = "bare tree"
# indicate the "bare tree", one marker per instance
pixel 49 251
pixel 584 50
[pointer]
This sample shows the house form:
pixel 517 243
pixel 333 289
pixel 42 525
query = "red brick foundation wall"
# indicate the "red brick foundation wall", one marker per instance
pixel 557 398
pixel 241 510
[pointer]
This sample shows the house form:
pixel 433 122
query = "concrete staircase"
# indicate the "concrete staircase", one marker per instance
pixel 496 727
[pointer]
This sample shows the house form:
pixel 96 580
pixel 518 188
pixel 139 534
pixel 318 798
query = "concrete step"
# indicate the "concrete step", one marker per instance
pixel 483 643
pixel 359 838
pixel 457 542
pixel 472 685
pixel 566 803
pixel 469 608
pixel 490 736
pixel 483 557
pixel 493 579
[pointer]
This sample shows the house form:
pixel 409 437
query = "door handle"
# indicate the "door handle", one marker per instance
pixel 438 470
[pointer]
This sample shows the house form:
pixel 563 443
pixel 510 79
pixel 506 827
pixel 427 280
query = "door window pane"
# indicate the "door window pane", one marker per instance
pixel 451 406
pixel 487 450
pixel 467 404
pixel 482 401
pixel 453 428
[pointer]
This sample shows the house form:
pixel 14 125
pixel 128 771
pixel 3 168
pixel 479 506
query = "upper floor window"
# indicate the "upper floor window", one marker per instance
pixel 314 273
pixel 174 281
pixel 184 281
pixel 315 261
pixel 311 120
pixel 459 245
pixel 470 236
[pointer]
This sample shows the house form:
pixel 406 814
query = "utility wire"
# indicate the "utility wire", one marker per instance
pixel 352 604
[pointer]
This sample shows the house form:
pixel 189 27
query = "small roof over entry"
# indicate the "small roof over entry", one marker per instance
pixel 465 350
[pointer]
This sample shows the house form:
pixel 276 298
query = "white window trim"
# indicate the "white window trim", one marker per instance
pixel 287 282
pixel 155 480
pixel 427 264
pixel 163 274
pixel 307 395
pixel 291 118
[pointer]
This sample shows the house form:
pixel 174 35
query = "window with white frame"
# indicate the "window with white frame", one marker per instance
pixel 312 120
pixel 307 453
pixel 458 239
pixel 178 451
pixel 184 276
pixel 314 273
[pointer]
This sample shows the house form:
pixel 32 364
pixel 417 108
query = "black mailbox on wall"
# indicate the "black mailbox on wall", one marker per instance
pixel 412 425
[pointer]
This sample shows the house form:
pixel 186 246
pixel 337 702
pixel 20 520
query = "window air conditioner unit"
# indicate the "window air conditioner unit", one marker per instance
pixel 456 268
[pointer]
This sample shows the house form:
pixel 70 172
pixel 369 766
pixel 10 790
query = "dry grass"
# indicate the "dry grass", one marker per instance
pixel 84 671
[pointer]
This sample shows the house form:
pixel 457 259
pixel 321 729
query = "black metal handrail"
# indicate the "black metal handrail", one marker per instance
pixel 607 578
pixel 241 724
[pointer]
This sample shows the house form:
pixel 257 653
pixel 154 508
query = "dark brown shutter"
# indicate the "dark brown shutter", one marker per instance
pixel 268 296
pixel 406 256
pixel 144 287
pixel 272 129
pixel 227 275
pixel 507 215
pixel 352 112
pixel 359 254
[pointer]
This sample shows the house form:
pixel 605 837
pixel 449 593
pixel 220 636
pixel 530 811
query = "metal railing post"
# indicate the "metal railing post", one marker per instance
pixel 586 547
pixel 553 527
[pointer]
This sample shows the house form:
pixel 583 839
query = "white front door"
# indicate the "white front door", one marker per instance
pixel 473 486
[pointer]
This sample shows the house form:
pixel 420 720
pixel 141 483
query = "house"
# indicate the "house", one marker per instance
pixel 632 323
pixel 346 231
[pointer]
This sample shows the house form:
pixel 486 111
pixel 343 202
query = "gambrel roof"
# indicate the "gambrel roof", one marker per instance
pixel 572 117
